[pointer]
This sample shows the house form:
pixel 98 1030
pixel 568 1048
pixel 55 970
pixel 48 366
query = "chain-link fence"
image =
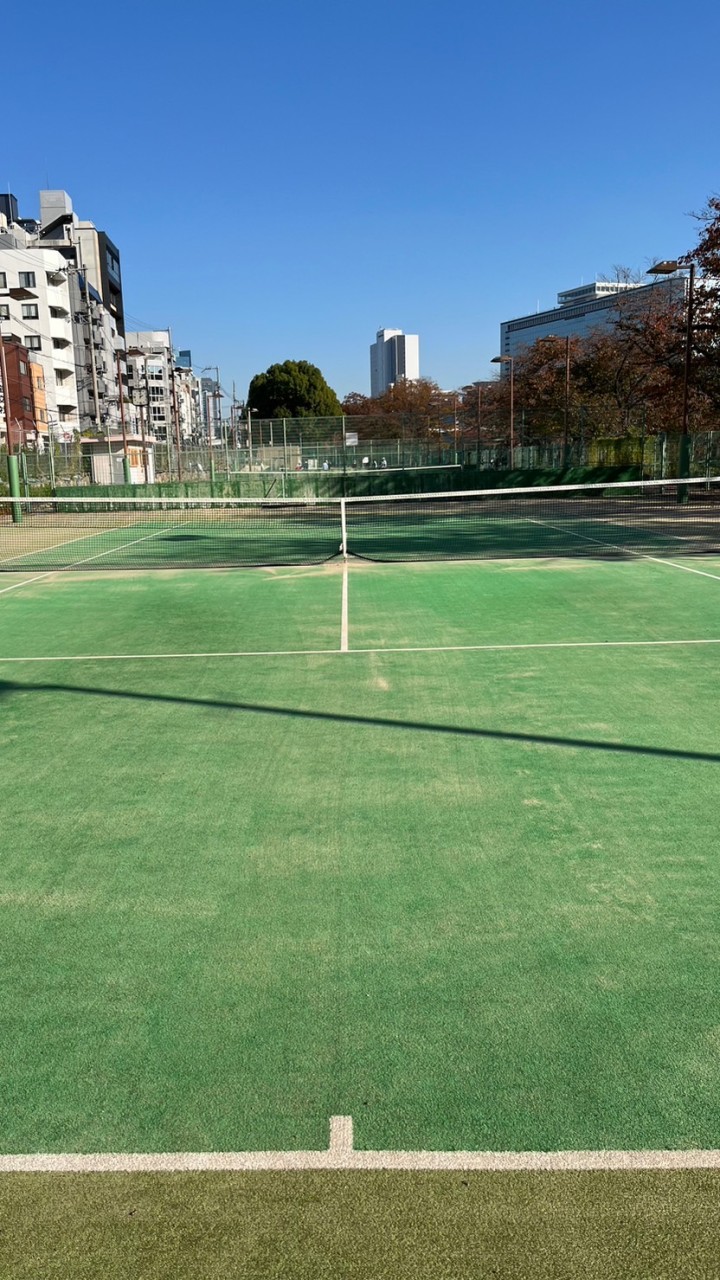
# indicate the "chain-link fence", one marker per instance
pixel 265 462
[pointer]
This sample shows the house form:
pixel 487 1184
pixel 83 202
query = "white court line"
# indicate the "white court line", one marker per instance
pixel 331 653
pixel 341 1154
pixel 344 624
pixel 26 581
pixel 67 542
pixel 88 559
pixel 640 555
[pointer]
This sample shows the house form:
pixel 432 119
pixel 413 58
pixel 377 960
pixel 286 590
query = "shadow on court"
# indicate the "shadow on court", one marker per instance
pixel 9 687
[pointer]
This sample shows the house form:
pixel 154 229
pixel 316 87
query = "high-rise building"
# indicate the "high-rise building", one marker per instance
pixel 394 357
pixel 582 310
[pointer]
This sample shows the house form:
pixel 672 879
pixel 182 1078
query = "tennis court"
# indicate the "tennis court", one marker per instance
pixel 431 845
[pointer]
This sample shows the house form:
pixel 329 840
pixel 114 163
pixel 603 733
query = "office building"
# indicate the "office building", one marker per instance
pixel 583 310
pixel 394 357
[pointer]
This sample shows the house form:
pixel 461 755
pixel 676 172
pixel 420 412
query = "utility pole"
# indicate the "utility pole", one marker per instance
pixel 92 348
pixel 145 419
pixel 176 415
pixel 126 461
pixel 12 462
pixel 219 417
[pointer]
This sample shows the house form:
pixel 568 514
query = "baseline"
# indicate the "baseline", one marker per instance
pixel 329 653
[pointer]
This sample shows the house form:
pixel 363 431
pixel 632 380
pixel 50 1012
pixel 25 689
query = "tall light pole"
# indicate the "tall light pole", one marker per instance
pixel 511 361
pixel 250 412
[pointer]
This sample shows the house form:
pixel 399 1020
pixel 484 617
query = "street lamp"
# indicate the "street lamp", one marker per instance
pixel 668 268
pixel 509 360
pixel 250 412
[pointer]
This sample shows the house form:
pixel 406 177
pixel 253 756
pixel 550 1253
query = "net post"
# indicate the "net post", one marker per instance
pixel 343 528
pixel 14 483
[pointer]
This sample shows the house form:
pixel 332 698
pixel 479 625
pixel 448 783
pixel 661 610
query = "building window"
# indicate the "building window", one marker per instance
pixel 30 311
pixel 59 344
pixel 23 367
pixel 155 371
pixel 157 393
pixel 4 311
pixel 33 343
pixel 41 415
pixel 27 279
pixel 157 413
pixel 26 404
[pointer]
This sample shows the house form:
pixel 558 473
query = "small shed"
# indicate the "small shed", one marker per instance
pixel 105 459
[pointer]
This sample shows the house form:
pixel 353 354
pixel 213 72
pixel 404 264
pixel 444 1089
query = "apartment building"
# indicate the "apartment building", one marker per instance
pixel 56 306
pixel 17 410
pixel 187 390
pixel 36 310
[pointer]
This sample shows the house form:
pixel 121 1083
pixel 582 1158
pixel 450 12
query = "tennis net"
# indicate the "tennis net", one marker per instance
pixel 614 520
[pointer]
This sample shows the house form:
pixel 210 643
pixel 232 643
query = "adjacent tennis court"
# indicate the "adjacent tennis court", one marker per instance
pixel 429 845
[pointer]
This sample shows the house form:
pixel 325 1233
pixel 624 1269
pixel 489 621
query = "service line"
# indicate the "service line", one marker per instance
pixel 341 1154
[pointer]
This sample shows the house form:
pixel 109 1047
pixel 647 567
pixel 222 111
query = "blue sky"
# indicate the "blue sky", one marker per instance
pixel 284 178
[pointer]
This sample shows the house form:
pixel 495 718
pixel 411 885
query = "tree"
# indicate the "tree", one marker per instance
pixel 706 326
pixel 409 409
pixel 295 389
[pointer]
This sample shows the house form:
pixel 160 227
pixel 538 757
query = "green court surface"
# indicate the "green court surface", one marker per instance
pixel 468 896
pixel 363 1227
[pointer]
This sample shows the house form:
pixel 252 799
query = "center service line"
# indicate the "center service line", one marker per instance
pixel 344 624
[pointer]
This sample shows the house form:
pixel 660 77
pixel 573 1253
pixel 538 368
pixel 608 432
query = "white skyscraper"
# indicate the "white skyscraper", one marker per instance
pixel 394 357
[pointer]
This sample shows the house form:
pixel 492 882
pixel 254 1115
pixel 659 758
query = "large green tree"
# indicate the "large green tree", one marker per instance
pixel 294 389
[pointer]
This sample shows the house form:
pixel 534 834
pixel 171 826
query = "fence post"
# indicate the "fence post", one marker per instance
pixel 14 482
pixel 683 466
